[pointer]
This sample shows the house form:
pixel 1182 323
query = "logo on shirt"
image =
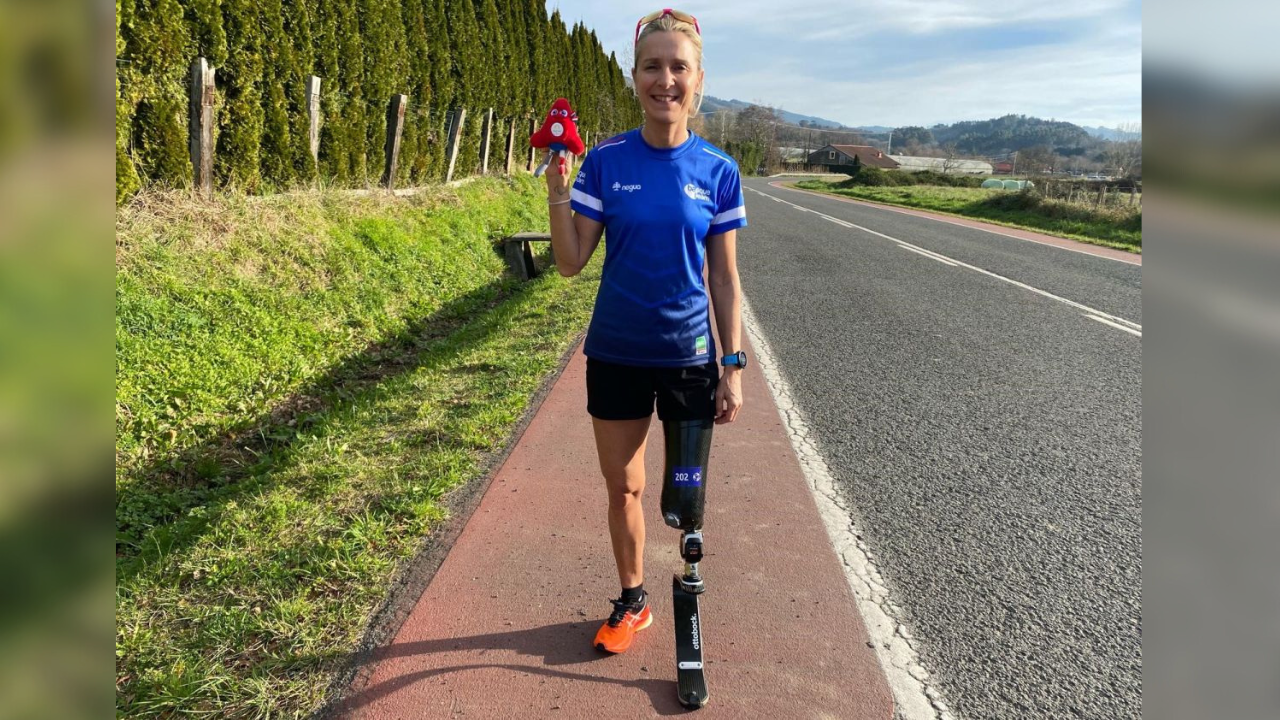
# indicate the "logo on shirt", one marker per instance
pixel 582 178
pixel 696 193
pixel 700 345
pixel 617 186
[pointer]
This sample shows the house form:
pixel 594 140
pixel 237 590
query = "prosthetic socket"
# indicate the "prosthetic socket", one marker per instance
pixel 684 490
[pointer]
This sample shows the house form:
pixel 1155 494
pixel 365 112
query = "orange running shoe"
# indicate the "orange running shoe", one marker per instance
pixel 620 629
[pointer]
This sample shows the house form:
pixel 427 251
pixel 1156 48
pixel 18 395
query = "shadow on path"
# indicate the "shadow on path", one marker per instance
pixel 551 646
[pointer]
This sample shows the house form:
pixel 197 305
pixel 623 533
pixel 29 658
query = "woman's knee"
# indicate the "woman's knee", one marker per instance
pixel 624 490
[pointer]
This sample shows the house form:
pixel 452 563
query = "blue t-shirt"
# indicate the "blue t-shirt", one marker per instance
pixel 658 206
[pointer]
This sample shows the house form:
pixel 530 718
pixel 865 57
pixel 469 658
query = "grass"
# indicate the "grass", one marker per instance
pixel 1110 227
pixel 301 380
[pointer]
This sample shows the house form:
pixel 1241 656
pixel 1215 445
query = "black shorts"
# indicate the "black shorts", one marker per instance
pixel 627 392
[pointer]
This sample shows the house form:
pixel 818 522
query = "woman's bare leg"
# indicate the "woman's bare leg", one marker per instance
pixel 620 445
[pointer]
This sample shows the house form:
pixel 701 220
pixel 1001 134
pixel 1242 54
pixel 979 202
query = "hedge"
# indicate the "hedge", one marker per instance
pixel 443 54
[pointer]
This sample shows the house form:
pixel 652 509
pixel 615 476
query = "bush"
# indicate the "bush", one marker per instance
pixel 1125 218
pixel 875 177
pixel 930 177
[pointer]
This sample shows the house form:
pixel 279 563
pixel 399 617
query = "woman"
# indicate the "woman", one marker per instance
pixel 669 200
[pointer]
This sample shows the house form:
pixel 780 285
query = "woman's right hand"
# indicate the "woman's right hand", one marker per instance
pixel 557 175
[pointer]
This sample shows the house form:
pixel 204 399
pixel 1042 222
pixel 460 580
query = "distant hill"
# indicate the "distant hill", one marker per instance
pixel 711 104
pixel 1107 133
pixel 974 138
pixel 1013 132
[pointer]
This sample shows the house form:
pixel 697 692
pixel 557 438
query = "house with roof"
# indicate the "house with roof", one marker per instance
pixel 851 156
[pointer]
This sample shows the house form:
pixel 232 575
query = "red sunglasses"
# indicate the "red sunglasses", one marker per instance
pixel 656 14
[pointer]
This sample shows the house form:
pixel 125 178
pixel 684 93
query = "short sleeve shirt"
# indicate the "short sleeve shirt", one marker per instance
pixel 658 206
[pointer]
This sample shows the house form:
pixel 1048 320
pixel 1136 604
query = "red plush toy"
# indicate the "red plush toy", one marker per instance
pixel 558 134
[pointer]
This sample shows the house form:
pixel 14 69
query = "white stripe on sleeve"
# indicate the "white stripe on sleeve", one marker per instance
pixel 727 215
pixel 587 200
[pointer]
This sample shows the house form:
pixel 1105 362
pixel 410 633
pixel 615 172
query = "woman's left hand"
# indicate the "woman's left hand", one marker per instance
pixel 729 396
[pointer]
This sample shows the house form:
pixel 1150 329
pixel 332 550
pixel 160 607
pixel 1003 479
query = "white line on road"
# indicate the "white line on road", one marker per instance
pixel 1105 321
pixel 914 695
pixel 1130 325
pixel 957 223
pixel 931 256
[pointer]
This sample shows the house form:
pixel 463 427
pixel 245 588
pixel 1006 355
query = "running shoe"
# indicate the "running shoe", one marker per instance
pixel 620 629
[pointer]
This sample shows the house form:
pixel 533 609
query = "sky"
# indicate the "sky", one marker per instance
pixel 909 62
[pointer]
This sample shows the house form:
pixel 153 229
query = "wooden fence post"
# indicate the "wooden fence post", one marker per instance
pixel 486 135
pixel 313 110
pixel 511 145
pixel 456 118
pixel 395 126
pixel 1133 195
pixel 200 125
pixel 533 127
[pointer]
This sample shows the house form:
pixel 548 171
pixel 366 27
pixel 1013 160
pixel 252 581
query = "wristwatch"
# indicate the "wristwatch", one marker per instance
pixel 738 359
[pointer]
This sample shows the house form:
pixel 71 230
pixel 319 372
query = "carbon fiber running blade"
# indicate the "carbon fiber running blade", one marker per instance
pixel 691 683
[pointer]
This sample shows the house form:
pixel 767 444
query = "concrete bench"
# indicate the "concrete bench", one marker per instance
pixel 518 249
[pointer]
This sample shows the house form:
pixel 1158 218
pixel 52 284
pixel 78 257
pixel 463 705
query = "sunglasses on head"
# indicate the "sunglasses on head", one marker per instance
pixel 657 14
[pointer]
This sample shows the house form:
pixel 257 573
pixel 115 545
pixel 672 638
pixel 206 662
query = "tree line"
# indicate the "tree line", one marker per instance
pixel 444 54
pixel 1037 145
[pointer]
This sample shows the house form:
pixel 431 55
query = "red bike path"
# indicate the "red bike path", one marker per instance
pixel 504 629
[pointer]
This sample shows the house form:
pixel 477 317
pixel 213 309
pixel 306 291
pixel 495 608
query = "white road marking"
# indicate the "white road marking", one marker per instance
pixel 931 256
pixel 915 696
pixel 1130 325
pixel 1105 321
pixel 902 211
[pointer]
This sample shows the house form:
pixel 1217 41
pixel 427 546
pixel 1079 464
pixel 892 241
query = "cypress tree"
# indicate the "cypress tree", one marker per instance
pixel 349 84
pixel 439 66
pixel 153 89
pixel 324 31
pixel 382 34
pixel 127 180
pixel 277 56
pixel 494 52
pixel 468 74
pixel 521 69
pixel 413 143
pixel 540 51
pixel 241 121
pixel 297 27
pixel 204 25
pixel 520 72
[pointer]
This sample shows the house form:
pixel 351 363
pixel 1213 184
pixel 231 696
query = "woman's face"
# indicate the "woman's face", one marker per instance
pixel 666 76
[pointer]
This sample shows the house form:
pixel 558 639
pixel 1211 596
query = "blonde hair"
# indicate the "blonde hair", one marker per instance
pixel 668 23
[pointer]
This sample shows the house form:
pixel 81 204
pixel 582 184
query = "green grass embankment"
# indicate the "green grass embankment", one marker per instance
pixel 300 379
pixel 1116 227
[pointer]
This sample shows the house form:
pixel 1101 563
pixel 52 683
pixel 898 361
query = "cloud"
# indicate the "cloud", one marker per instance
pixel 894 62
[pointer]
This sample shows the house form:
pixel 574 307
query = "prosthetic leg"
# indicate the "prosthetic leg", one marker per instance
pixel 688 444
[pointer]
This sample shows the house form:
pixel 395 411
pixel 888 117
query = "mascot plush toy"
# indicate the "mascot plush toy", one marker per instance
pixel 558 134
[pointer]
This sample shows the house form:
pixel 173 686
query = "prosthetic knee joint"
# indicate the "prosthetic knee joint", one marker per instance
pixel 684 490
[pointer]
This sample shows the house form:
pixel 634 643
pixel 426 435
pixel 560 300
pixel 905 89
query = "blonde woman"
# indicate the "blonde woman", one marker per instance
pixel 668 201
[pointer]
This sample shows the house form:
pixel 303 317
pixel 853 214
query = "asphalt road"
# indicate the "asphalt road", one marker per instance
pixel 989 436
